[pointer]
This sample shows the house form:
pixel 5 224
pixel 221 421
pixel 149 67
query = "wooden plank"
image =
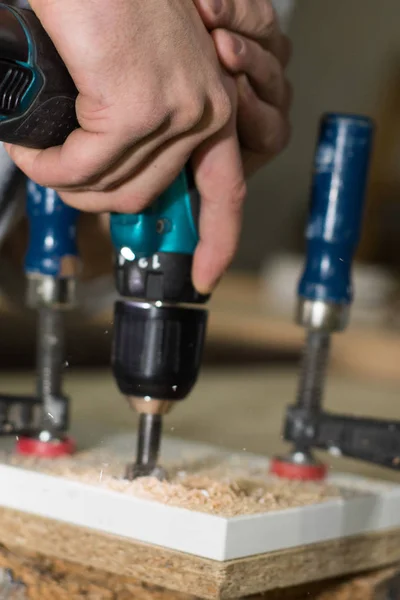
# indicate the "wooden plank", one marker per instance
pixel 196 576
pixel 217 505
pixel 37 577
pixel 310 537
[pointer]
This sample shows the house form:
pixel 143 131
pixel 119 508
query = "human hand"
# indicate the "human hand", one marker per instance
pixel 252 47
pixel 151 92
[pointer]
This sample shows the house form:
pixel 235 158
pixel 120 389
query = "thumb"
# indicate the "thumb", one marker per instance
pixel 220 180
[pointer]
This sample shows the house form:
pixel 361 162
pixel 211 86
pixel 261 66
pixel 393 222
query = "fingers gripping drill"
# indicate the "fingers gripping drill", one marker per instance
pixel 159 328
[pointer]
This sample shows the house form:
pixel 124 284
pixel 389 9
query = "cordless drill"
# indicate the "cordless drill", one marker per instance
pixel 159 325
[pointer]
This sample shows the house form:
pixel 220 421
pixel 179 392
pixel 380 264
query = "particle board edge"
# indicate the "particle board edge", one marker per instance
pixel 203 578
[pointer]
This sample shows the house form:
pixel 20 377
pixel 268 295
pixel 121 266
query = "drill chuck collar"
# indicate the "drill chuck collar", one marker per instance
pixel 158 337
pixel 157 350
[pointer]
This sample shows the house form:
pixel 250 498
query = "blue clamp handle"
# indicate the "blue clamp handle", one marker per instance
pixel 337 205
pixel 169 225
pixel 52 236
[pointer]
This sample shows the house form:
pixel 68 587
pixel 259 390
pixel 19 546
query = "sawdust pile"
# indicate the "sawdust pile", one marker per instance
pixel 229 496
pixel 226 489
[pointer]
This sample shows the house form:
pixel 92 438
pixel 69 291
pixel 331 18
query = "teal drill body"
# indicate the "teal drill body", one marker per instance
pixel 167 226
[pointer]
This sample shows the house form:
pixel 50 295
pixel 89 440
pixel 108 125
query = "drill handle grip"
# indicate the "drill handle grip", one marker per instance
pixel 38 95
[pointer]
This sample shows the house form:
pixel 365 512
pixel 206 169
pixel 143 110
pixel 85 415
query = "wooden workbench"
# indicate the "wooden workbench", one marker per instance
pixel 39 578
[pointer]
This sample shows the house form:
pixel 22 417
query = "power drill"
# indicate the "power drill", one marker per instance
pixel 159 326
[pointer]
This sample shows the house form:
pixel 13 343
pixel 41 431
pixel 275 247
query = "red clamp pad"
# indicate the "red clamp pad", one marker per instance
pixel 55 449
pixel 288 470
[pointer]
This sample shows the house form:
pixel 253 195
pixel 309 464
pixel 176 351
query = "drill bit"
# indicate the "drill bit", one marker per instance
pixel 148 448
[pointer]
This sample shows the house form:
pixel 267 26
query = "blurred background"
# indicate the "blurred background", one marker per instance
pixel 346 58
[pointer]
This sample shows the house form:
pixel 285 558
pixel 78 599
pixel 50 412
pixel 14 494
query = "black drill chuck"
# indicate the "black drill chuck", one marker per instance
pixel 157 350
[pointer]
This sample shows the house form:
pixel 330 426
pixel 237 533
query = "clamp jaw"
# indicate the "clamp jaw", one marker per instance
pixel 373 441
pixel 23 415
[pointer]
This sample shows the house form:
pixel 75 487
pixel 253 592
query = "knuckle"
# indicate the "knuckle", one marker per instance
pixel 190 112
pixel 222 108
pixel 146 118
pixel 267 18
pixel 268 13
pixel 219 11
pixel 144 110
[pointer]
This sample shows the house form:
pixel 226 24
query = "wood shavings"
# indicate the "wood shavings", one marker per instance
pixel 228 487
pixel 231 497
